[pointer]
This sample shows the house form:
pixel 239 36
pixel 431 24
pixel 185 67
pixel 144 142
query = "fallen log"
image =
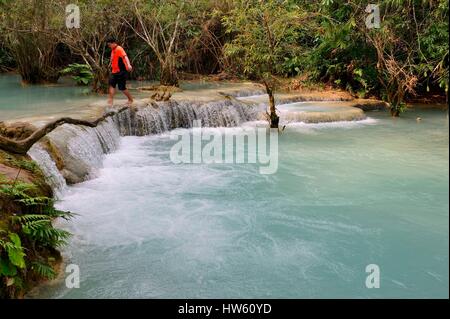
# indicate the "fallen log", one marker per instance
pixel 22 146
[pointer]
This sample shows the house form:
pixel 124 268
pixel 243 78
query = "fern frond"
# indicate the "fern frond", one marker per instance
pixel 43 270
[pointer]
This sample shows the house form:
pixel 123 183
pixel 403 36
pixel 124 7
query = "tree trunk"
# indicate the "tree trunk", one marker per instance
pixel 100 81
pixel 29 76
pixel 169 76
pixel 395 112
pixel 22 146
pixel 35 57
pixel 395 99
pixel 274 119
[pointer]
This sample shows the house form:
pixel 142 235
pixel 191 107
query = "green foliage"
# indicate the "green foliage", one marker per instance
pixel 265 36
pixel 341 55
pixel 39 229
pixel 406 56
pixel 167 27
pixel 11 259
pixel 398 108
pixel 6 59
pixel 81 73
pixel 434 52
pixel 33 227
pixel 25 164
pixel 99 21
pixel 13 247
pixel 293 66
pixel 18 190
pixel 43 270
pixel 27 31
pixel 143 60
pixel 7 269
pixel 254 39
pixel 23 193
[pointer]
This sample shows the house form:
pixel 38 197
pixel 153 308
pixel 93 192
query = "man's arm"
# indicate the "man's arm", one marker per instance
pixel 125 59
pixel 127 63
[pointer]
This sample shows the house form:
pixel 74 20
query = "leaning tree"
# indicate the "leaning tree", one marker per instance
pixel 264 33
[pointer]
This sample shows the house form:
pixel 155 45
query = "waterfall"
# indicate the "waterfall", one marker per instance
pixel 247 92
pixel 73 153
pixel 164 116
pixel 48 167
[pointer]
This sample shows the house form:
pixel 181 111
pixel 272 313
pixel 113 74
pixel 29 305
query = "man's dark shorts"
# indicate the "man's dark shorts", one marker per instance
pixel 119 79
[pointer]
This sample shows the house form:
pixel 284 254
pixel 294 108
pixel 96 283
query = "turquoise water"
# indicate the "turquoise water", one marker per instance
pixel 18 101
pixel 345 195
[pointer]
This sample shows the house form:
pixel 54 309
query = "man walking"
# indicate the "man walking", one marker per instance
pixel 120 65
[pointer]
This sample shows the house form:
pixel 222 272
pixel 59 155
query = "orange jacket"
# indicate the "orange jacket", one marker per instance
pixel 118 55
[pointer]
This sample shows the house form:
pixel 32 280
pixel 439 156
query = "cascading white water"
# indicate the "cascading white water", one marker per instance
pixel 80 149
pixel 52 175
pixel 165 116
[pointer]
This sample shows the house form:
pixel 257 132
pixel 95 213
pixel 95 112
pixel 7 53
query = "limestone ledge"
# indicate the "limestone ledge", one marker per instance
pixel 251 94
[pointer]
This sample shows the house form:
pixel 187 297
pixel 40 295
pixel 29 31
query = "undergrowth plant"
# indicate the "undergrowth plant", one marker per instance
pixel 81 73
pixel 28 245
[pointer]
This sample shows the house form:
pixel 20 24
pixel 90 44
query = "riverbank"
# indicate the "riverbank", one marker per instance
pixel 213 92
pixel 25 259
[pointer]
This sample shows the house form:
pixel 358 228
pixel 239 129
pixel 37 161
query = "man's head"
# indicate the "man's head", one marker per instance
pixel 112 43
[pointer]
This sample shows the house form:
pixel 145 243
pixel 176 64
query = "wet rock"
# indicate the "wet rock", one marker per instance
pixel 371 105
pixel 71 178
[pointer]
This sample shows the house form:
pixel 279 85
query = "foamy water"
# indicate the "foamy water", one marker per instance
pixel 346 195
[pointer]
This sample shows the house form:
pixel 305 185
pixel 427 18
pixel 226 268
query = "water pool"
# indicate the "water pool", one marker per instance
pixel 18 101
pixel 345 195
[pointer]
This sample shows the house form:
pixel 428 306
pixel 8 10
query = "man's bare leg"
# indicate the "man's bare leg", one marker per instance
pixel 112 91
pixel 128 95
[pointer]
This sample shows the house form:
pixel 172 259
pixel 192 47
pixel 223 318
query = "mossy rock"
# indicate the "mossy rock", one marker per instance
pixel 17 130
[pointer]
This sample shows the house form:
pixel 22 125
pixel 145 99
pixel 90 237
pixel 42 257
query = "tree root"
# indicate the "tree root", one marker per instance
pixel 22 146
pixel 161 97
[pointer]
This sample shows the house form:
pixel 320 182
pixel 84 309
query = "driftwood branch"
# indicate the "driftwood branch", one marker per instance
pixel 22 146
